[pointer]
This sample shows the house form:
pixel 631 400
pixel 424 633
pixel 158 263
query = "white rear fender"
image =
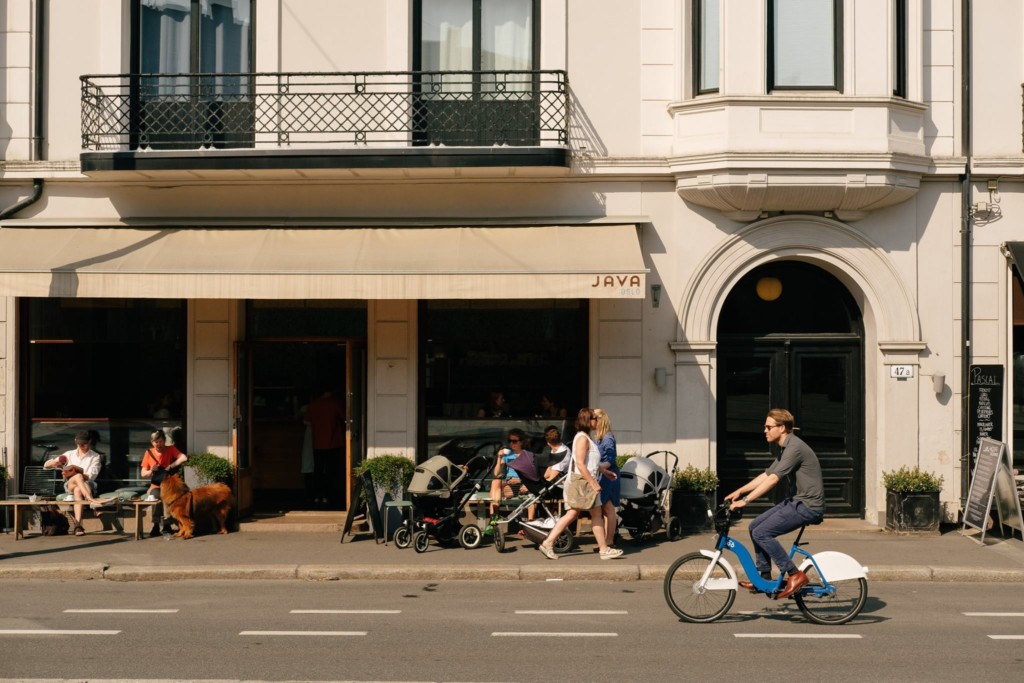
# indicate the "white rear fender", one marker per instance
pixel 720 584
pixel 836 566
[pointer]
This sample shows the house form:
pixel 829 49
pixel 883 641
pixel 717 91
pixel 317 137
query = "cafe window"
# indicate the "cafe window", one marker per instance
pixel 524 350
pixel 115 367
pixel 1018 374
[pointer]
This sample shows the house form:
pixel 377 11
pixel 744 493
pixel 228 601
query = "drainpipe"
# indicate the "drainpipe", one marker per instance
pixel 966 238
pixel 38 119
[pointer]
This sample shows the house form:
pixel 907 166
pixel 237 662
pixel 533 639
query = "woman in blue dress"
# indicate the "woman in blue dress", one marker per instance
pixel 609 470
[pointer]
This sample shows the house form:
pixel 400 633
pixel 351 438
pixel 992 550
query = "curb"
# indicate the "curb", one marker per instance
pixel 437 572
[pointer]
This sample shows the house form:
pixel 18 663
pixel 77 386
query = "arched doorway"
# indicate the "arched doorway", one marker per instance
pixel 790 335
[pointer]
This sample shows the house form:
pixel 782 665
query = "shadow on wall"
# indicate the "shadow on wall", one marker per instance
pixel 584 142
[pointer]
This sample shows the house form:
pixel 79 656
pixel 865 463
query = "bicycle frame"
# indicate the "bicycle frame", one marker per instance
pixel 726 542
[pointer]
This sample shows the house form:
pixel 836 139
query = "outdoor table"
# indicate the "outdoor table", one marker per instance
pixel 137 506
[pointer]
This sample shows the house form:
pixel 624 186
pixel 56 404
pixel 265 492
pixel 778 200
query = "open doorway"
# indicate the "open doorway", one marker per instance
pixel 285 377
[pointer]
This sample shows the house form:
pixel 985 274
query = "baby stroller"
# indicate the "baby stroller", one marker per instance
pixel 440 491
pixel 645 496
pixel 531 467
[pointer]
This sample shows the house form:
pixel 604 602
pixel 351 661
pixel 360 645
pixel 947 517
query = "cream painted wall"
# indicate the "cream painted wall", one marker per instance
pixel 391 414
pixel 212 331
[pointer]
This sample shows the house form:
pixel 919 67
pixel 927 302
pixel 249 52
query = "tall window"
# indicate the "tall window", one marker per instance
pixel 705 45
pixel 805 44
pixel 899 48
pixel 476 56
pixel 180 39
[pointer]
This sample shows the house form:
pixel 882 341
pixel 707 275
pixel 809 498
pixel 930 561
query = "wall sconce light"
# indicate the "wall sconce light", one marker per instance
pixel 939 382
pixel 660 377
pixel 655 296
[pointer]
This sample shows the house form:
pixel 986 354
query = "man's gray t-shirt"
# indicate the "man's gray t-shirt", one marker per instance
pixel 799 462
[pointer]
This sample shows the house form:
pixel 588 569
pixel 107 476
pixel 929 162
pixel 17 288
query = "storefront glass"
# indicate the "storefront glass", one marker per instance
pixel 1018 375
pixel 488 366
pixel 115 367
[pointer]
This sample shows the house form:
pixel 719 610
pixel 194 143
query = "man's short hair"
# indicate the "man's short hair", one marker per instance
pixel 82 437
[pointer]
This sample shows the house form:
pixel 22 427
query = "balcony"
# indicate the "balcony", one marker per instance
pixel 336 122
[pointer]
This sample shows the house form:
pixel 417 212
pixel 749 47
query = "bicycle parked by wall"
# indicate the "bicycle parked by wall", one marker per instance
pixel 701 587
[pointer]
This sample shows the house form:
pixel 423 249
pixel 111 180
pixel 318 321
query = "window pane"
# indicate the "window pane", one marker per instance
pixel 164 44
pixel 804 43
pixel 709 45
pixel 447 43
pixel 506 36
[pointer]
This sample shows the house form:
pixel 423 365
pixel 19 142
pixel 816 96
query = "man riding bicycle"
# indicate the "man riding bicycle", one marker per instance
pixel 807 506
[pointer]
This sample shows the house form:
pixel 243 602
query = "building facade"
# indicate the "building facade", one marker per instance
pixel 454 214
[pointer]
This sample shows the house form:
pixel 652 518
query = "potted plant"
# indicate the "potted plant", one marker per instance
pixel 693 497
pixel 207 468
pixel 912 500
pixel 390 475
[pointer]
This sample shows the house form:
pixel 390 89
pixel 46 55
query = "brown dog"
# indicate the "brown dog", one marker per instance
pixel 211 502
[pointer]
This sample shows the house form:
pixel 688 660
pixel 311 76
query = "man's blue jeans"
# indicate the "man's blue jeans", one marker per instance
pixel 781 519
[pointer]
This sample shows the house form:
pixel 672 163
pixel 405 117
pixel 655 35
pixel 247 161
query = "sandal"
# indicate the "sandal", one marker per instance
pixel 79 531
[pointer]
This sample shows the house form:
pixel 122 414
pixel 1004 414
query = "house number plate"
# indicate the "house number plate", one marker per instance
pixel 901 371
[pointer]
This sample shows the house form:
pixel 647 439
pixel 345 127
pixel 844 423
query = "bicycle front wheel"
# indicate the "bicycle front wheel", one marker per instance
pixel 688 599
pixel 833 608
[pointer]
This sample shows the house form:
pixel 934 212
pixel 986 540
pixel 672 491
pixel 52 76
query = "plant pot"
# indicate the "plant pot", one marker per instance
pixel 692 508
pixel 912 512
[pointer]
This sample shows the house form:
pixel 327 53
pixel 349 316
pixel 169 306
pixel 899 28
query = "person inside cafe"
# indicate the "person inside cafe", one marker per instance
pixel 496 408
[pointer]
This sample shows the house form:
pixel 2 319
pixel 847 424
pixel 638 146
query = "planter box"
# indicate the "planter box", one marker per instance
pixel 912 512
pixel 691 507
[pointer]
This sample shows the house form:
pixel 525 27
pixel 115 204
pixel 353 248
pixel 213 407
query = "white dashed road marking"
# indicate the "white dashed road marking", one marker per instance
pixel 54 632
pixel 571 611
pixel 798 635
pixel 302 633
pixel 1007 637
pixel 120 611
pixel 553 634
pixel 346 611
pixel 993 614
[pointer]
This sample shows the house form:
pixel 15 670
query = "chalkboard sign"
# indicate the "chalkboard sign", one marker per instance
pixel 993 480
pixel 985 404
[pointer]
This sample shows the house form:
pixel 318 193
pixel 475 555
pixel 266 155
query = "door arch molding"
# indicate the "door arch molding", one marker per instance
pixel 845 252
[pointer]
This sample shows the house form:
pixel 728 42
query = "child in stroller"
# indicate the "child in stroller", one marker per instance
pixel 542 475
pixel 645 496
pixel 440 491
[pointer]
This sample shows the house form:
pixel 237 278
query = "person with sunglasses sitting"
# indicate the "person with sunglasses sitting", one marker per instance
pixel 506 482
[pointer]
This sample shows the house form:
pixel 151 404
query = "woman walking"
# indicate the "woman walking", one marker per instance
pixel 582 476
pixel 609 471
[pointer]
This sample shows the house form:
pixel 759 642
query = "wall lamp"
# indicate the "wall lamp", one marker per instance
pixel 938 382
pixel 660 377
pixel 655 296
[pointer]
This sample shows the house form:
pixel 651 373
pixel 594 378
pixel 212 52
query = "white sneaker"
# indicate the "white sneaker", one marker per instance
pixel 548 551
pixel 610 553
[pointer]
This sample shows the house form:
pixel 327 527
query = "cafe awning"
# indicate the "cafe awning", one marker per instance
pixel 517 262
pixel 1015 251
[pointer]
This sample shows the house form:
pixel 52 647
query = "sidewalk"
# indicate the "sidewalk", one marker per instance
pixel 320 556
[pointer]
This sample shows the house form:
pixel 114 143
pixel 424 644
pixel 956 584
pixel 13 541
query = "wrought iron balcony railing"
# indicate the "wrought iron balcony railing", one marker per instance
pixel 324 110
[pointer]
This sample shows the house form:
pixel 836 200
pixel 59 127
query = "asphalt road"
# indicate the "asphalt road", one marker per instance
pixel 469 631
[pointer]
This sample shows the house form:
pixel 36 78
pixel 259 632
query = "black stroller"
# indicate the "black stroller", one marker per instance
pixel 645 496
pixel 531 467
pixel 440 491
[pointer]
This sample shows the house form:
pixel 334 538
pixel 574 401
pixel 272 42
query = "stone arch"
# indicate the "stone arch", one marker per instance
pixel 842 250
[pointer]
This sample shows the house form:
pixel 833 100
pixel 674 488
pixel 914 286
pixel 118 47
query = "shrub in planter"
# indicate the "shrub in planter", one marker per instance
pixel 209 468
pixel 912 500
pixel 693 496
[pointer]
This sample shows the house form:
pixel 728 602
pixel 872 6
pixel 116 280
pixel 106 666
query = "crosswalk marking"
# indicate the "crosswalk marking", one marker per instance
pixel 798 635
pixel 55 632
pixel 302 633
pixel 571 611
pixel 120 611
pixel 551 634
pixel 346 611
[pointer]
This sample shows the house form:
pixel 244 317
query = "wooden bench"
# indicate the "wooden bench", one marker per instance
pixel 19 507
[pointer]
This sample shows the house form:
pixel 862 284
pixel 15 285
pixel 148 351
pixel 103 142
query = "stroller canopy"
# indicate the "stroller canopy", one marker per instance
pixel 640 477
pixel 436 477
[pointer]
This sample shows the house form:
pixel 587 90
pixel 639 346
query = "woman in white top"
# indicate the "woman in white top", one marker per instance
pixel 585 461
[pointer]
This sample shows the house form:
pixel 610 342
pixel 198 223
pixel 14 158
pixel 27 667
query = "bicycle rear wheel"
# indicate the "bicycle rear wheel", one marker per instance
pixel 834 608
pixel 687 599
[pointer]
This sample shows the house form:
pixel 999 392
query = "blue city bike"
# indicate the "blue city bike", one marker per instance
pixel 700 587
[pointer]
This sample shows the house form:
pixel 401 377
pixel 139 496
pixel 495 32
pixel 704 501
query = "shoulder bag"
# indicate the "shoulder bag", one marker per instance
pixel 578 494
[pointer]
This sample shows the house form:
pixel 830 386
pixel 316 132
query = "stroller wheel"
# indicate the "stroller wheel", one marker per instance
pixel 402 537
pixel 674 530
pixel 470 536
pixel 499 540
pixel 420 541
pixel 564 543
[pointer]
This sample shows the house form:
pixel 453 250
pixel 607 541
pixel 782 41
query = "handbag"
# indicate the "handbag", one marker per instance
pixel 578 494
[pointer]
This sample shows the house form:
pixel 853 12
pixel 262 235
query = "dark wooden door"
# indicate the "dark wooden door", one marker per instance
pixel 819 380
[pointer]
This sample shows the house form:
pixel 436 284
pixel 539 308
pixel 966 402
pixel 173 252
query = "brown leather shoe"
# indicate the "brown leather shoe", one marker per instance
pixel 794 582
